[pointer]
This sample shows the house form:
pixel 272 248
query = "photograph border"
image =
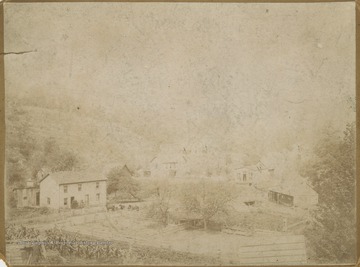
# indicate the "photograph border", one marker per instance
pixel 2 99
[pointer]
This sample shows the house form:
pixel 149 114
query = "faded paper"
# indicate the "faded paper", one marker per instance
pixel 180 133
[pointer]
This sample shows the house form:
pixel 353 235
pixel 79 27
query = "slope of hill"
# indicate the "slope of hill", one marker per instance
pixel 97 142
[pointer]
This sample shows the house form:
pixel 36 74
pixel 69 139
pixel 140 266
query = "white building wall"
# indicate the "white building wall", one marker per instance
pixel 249 176
pixel 49 189
pixel 26 197
pixel 87 189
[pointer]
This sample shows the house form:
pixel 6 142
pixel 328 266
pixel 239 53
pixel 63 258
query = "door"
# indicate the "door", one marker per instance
pixel 276 197
pixel 37 203
pixel 87 199
pixel 71 201
pixel 286 200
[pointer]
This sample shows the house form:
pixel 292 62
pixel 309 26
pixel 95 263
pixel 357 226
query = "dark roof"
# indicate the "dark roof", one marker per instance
pixel 74 177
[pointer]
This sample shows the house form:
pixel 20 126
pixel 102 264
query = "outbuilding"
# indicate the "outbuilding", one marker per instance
pixel 27 196
pixel 296 193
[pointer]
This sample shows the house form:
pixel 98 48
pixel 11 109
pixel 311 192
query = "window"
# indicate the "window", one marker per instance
pixel 244 177
pixel 25 198
pixel 97 197
pixel 65 188
pixel 97 184
pixel 48 201
pixel 65 201
pixel 79 187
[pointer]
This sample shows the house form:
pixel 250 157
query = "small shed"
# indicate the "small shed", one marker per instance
pixel 27 196
pixel 295 193
pixel 190 220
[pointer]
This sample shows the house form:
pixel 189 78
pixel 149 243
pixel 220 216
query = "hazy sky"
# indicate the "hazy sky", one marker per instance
pixel 201 72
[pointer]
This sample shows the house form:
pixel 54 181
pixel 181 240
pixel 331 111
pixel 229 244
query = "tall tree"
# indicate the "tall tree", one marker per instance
pixel 332 236
pixel 207 199
pixel 122 182
pixel 159 208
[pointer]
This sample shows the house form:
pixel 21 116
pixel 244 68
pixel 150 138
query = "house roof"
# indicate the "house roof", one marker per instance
pixel 168 158
pixel 296 187
pixel 73 177
pixel 252 168
pixel 26 187
pixel 256 167
pixel 126 171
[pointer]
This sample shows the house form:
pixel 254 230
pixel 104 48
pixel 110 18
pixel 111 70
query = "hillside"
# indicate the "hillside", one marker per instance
pixel 98 142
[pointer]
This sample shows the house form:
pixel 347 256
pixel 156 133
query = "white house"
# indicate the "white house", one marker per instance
pixel 248 175
pixel 61 189
pixel 166 165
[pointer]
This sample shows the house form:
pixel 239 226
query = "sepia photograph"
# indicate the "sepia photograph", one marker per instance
pixel 189 134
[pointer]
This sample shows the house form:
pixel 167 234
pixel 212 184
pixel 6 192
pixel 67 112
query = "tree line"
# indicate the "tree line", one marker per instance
pixel 28 153
pixel 332 233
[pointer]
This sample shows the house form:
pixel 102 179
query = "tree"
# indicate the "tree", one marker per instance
pixel 331 234
pixel 160 206
pixel 20 145
pixel 207 199
pixel 54 158
pixel 66 161
pixel 27 152
pixel 123 183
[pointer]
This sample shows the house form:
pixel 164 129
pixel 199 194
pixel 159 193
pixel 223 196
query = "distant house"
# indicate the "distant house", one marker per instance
pixel 251 174
pixel 61 189
pixel 27 196
pixel 293 193
pixel 126 172
pixel 166 165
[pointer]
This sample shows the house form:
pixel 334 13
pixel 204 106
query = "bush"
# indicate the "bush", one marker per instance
pixel 44 211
